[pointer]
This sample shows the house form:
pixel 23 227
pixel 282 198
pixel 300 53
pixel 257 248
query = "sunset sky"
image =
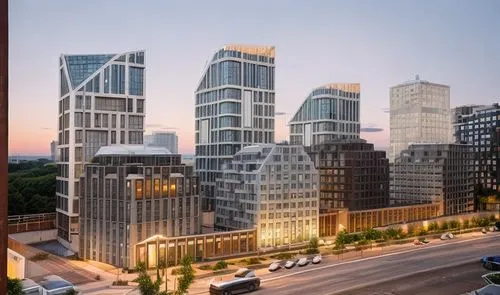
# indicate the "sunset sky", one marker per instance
pixel 375 43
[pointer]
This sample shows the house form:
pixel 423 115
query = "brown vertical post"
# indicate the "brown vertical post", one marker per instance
pixel 4 134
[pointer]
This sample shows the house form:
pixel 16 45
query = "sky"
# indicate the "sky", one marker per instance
pixel 375 43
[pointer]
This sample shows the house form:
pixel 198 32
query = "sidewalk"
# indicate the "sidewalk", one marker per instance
pixel 201 286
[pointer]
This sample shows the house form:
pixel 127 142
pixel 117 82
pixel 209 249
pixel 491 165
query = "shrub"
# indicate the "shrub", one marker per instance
pixel 120 283
pixel 373 234
pixel 39 256
pixel 466 224
pixel 492 218
pixel 283 256
pixel 220 265
pixel 445 225
pixel 253 260
pixel 453 224
pixel 422 232
pixel 393 233
pixel 483 222
pixel 205 267
pixel 411 230
pixel 14 287
pixel 433 226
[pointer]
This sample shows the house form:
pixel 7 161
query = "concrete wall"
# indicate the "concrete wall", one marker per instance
pixel 16 265
pixel 35 236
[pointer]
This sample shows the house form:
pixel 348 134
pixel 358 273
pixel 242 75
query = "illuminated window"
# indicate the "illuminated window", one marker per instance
pixel 148 188
pixel 156 188
pixel 164 189
pixel 138 190
pixel 172 188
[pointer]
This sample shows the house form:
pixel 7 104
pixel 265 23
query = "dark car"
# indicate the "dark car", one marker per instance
pixel 491 262
pixel 244 281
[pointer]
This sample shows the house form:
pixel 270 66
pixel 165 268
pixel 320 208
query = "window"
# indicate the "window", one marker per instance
pixel 157 188
pixel 135 122
pixel 130 105
pixel 140 106
pixel 118 79
pixel 164 188
pixel 138 190
pixel 113 121
pixel 136 81
pixel 148 188
pixel 122 121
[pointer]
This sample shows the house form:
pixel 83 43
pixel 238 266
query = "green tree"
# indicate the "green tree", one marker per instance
pixel 187 275
pixel 146 284
pixel 341 239
pixel 313 246
pixel 14 287
pixel 433 226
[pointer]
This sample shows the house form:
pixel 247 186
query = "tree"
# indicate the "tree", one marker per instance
pixel 313 246
pixel 14 287
pixel 146 284
pixel 187 275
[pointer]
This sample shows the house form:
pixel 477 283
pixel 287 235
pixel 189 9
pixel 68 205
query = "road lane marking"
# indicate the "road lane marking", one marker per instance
pixel 375 257
pixel 401 276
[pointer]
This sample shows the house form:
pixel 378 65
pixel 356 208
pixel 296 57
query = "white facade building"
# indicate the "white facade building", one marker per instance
pixel 273 188
pixel 330 112
pixel 168 140
pixel 234 108
pixel 101 103
pixel 419 113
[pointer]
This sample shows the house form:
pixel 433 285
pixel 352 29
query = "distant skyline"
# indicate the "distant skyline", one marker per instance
pixel 377 44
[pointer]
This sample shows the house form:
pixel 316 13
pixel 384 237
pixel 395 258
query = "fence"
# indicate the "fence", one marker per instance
pixel 31 222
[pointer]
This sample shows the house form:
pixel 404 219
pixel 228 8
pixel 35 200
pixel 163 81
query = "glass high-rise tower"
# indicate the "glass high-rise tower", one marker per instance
pixel 101 102
pixel 419 113
pixel 329 112
pixel 234 108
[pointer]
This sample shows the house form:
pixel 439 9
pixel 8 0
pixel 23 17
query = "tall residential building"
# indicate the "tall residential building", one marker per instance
pixel 101 103
pixel 273 188
pixel 481 129
pixel 234 108
pixel 329 112
pixel 130 193
pixel 427 173
pixel 53 150
pixel 168 140
pixel 419 113
pixel 353 175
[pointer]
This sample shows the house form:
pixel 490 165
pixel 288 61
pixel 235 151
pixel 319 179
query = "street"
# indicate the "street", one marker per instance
pixel 404 271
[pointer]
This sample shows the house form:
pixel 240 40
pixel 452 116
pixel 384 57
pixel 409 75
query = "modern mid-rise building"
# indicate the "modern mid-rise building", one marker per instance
pixel 428 173
pixel 101 103
pixel 130 193
pixel 481 129
pixel 168 140
pixel 419 113
pixel 460 111
pixel 53 150
pixel 234 108
pixel 329 112
pixel 353 175
pixel 272 188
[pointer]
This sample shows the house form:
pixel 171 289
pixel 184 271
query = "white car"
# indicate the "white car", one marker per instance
pixel 316 259
pixel 447 236
pixel 289 264
pixel 274 266
pixel 303 261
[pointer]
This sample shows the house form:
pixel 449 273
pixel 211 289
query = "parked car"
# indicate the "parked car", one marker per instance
pixel 491 262
pixel 244 281
pixel 274 266
pixel 447 236
pixel 303 261
pixel 317 259
pixel 290 263
pixel 52 285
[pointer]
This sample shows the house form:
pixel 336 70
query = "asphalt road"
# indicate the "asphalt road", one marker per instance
pixel 410 271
